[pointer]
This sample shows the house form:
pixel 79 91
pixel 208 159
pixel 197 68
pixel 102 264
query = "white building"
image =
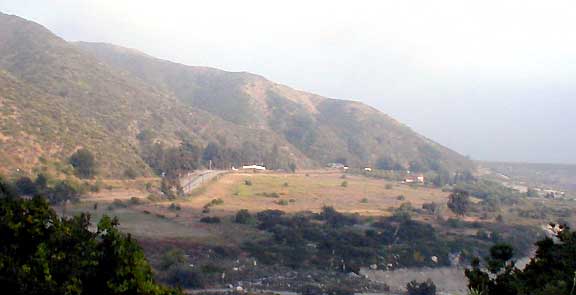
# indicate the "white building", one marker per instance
pixel 254 167
pixel 414 179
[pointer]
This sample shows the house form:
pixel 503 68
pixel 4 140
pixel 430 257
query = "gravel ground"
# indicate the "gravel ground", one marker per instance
pixel 448 280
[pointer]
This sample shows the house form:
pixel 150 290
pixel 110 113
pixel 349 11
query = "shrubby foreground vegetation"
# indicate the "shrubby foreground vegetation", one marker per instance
pixel 552 271
pixel 42 253
pixel 330 240
pixel 333 241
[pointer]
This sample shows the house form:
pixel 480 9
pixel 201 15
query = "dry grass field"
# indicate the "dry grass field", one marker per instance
pixel 310 191
pixel 291 193
pixel 134 220
pixel 303 191
pixel 158 222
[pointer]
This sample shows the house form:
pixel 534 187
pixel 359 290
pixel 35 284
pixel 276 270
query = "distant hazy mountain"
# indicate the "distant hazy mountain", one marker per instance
pixel 56 97
pixel 556 176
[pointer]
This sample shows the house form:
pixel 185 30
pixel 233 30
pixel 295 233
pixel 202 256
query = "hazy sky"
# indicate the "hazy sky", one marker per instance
pixel 495 80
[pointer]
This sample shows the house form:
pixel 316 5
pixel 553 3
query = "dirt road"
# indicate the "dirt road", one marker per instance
pixel 196 179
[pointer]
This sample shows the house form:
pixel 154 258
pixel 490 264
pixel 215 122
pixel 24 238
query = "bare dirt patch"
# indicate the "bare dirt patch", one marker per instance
pixel 448 280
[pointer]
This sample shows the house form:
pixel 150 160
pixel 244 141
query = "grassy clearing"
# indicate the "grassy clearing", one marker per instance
pixel 305 191
pixel 138 220
pixel 160 220
pixel 310 192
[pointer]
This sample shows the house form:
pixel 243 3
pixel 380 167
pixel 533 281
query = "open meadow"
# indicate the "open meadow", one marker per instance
pixel 310 191
pixel 157 218
pixel 144 215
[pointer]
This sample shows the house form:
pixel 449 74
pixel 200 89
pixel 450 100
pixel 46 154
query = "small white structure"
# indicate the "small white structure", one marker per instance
pixel 414 179
pixel 336 165
pixel 254 167
pixel 367 169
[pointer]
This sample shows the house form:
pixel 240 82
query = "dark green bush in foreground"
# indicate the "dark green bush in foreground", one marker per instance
pixel 42 253
pixel 551 271
pixel 329 240
pixel 425 288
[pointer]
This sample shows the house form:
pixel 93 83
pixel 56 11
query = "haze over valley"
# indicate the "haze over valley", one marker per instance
pixel 321 148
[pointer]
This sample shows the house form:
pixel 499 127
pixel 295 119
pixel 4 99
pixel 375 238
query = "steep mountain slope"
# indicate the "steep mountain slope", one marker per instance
pixel 324 129
pixel 56 97
pixel 79 101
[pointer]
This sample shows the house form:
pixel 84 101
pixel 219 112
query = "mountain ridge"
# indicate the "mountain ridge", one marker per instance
pixel 119 92
pixel 255 87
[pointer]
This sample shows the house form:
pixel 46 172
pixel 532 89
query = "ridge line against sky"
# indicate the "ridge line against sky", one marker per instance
pixel 493 80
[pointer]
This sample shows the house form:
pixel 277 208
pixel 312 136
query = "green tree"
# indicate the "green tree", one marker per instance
pixel 386 163
pixel 26 186
pixel 441 178
pixel 431 208
pixel 500 254
pixel 425 288
pixel 172 257
pixel 84 163
pixel 459 202
pixel 42 253
pixel 272 158
pixel 244 217
pixel 63 191
pixel 191 154
pixel 41 182
pixel 6 189
pixel 130 173
pixel 404 212
pixel 552 270
pixel 211 153
pixel 171 188
pixel 292 167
